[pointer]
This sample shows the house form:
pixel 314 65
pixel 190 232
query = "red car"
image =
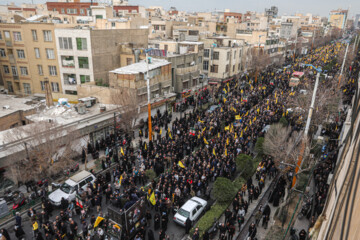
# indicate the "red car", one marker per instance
pixel 19 201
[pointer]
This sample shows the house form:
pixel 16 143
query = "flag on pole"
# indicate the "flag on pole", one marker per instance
pixel 225 152
pixel 235 136
pixel 224 100
pixel 206 142
pixel 160 131
pixel 98 221
pixel 192 131
pixel 227 141
pixel 181 164
pixel 238 117
pixel 145 147
pixel 241 134
pixel 227 128
pixel 152 198
pixel 214 152
pixel 122 151
pixel 120 180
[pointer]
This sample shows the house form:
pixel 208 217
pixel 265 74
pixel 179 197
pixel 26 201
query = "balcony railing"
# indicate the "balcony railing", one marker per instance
pixel 185 70
pixel 70 81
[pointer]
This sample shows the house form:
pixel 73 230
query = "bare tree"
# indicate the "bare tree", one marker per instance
pixel 259 61
pixel 282 144
pixel 49 149
pixel 126 100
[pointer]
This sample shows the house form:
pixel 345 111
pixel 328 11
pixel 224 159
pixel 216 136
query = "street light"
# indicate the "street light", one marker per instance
pixel 148 92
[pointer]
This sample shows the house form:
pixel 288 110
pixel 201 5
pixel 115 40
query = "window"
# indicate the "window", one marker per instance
pixel 55 87
pixel 47 36
pixel 17 36
pixel 99 16
pixel 81 43
pixel 10 86
pixel 199 60
pixel 71 11
pixel 50 53
pixel 239 67
pixel 52 70
pixel 205 65
pixel 65 43
pixel 34 35
pixel 62 10
pixel 42 84
pixel 1 36
pixel 214 68
pixel 24 71
pixel 14 71
pixel 37 52
pixel 6 69
pixel 2 52
pixel 40 70
pixel 239 54
pixel 20 53
pixel 84 78
pixel 81 11
pixel 234 68
pixel 216 55
pixel 83 62
pixel 112 24
pixel 7 34
pixel 206 53
pixel 227 68
pixel 228 56
pixel 27 88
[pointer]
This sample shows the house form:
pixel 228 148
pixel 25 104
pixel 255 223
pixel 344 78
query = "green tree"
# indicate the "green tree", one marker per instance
pixel 283 121
pixel 245 164
pixel 223 190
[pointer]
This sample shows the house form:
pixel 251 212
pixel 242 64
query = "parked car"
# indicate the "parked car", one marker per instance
pixel 19 200
pixel 192 209
pixel 69 188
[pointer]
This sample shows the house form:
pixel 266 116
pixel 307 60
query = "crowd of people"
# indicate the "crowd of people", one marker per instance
pixel 187 155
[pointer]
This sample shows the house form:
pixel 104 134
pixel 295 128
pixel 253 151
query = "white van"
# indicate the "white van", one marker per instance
pixel 191 209
pixel 68 189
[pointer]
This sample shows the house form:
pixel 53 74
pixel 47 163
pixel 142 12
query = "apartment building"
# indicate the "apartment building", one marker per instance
pixel 222 57
pixel 87 55
pixel 338 18
pixel 75 58
pixel 71 8
pixel 28 57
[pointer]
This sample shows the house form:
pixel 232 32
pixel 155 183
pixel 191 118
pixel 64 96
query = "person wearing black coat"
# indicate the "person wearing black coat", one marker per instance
pixel 157 221
pixel 266 215
pixel 151 235
pixel 188 225
pixel 5 234
pixel 19 232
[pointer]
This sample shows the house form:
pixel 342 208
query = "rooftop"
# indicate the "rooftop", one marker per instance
pixel 141 67
pixel 10 104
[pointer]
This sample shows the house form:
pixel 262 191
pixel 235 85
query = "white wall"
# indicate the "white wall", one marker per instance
pixel 74 33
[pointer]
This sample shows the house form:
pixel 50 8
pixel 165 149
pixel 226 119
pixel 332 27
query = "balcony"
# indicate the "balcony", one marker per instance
pixel 186 70
pixel 8 43
pixel 68 61
pixel 16 78
pixel 12 59
pixel 70 79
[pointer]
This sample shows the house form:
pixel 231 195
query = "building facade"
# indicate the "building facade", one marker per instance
pixel 25 67
pixel 338 18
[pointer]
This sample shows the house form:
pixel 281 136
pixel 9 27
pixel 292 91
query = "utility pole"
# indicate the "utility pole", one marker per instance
pixel 343 64
pixel 115 134
pixel 148 92
pixel 304 148
pixel 48 95
pixel 355 43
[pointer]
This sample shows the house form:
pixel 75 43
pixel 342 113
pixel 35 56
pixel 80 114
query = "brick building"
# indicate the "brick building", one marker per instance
pixel 71 8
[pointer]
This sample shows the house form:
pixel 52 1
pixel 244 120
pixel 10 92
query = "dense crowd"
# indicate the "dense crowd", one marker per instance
pixel 187 155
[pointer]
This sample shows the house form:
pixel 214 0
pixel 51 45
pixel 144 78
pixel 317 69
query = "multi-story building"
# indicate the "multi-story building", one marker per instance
pixel 338 18
pixel 222 57
pixel 86 55
pixel 28 57
pixel 76 8
pixel 132 78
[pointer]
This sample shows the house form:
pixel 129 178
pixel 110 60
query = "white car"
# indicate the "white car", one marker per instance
pixel 68 189
pixel 192 209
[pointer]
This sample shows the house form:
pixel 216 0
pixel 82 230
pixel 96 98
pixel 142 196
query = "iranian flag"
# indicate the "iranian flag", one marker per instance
pixel 245 99
pixel 272 82
pixel 192 131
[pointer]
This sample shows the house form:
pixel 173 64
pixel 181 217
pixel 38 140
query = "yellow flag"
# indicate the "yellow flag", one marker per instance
pixel 250 122
pixel 225 91
pixel 245 129
pixel 276 100
pixel 225 152
pixel 224 100
pixel 275 95
pixel 234 109
pixel 254 119
pixel 214 152
pixel 235 136
pixel 98 221
pixel 267 102
pixel 241 134
pixel 120 180
pixel 246 113
pixel 221 110
pixel 145 147
pixel 203 129
pixel 258 110
pixel 160 131
pixel 152 198
pixel 201 121
pixel 181 164
pixel 206 142
pixel 227 128
pixel 227 141
pixel 267 108
pixel 237 117
pixel 122 151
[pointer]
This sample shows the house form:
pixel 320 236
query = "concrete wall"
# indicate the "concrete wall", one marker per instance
pixel 15 119
pixel 105 45
pixel 103 94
